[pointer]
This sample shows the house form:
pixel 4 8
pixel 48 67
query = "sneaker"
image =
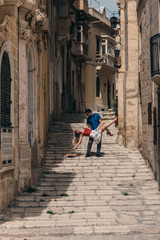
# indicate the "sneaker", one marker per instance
pixel 98 154
pixel 88 155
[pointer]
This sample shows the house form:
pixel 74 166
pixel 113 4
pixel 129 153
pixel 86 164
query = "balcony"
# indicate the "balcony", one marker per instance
pixel 105 59
pixel 155 58
pixel 80 50
pixel 63 29
pixel 81 5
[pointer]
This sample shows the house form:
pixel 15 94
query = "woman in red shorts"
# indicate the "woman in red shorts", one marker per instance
pixel 95 134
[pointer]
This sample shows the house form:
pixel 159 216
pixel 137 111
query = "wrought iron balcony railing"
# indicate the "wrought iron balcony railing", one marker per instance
pixel 155 55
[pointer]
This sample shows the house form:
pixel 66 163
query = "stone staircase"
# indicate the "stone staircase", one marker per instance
pixel 108 115
pixel 79 198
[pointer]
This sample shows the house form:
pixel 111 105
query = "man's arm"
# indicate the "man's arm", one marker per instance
pixel 88 124
pixel 99 118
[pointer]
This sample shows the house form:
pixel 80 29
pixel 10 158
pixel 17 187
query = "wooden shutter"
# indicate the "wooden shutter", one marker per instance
pixel 5 91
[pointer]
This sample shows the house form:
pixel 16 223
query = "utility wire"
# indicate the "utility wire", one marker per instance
pixel 113 13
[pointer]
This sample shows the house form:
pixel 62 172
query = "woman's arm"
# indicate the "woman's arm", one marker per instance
pixel 79 142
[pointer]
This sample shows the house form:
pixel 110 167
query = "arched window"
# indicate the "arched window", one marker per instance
pixel 97 87
pixel 5 86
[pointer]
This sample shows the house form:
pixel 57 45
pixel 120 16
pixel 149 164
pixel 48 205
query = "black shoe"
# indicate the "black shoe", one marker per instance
pixel 88 155
pixel 98 154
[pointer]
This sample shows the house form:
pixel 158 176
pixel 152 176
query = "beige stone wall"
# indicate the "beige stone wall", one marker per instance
pixel 9 174
pixel 128 78
pixel 27 155
pixel 148 21
pixel 139 22
pixel 145 79
pixel 90 85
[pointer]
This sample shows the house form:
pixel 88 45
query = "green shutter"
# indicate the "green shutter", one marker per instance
pixel 5 91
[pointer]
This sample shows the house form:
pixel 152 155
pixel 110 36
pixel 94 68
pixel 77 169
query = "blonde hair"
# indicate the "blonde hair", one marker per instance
pixel 76 137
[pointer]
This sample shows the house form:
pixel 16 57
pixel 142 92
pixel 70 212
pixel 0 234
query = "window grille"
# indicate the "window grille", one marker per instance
pixel 155 60
pixel 150 113
pixel 5 85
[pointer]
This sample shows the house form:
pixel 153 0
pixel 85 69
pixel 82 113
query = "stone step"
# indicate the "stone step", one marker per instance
pixel 113 197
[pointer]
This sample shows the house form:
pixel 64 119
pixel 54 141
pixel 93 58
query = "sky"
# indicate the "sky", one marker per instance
pixel 111 5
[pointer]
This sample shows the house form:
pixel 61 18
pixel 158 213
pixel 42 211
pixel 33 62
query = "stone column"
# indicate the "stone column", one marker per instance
pixel 128 77
pixel 132 86
pixel 121 80
pixel 24 148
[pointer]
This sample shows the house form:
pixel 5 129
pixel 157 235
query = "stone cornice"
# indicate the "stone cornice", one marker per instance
pixel 29 4
pixel 12 2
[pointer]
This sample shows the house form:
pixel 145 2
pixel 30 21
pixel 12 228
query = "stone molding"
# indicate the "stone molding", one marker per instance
pixel 37 23
pixel 25 33
pixel 36 20
pixel 29 4
pixel 12 2
pixel 4 25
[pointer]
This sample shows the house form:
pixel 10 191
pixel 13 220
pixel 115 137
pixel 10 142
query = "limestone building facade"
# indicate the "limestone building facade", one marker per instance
pixel 100 71
pixel 24 94
pixel 139 85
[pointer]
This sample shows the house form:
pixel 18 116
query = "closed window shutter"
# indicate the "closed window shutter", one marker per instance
pixel 5 91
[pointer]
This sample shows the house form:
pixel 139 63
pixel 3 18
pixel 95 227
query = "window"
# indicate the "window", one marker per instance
pixel 111 51
pixel 78 36
pixel 103 46
pixel 97 87
pixel 97 45
pixel 72 28
pixel 85 36
pixel 62 10
pixel 5 91
pixel 103 49
pixel 79 33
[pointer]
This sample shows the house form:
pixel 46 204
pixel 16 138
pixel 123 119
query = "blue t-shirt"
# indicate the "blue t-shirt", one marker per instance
pixel 93 121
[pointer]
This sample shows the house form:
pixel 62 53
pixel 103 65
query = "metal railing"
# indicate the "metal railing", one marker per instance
pixel 155 54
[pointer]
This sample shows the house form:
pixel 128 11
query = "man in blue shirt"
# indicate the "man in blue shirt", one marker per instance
pixel 93 122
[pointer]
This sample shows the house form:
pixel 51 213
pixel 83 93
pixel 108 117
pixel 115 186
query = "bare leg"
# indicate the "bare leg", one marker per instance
pixel 103 126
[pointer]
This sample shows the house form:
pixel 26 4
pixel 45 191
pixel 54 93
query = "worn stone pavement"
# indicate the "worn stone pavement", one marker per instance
pixel 114 197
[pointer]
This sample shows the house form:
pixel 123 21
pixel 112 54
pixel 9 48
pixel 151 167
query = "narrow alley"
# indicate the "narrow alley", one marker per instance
pixel 111 197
